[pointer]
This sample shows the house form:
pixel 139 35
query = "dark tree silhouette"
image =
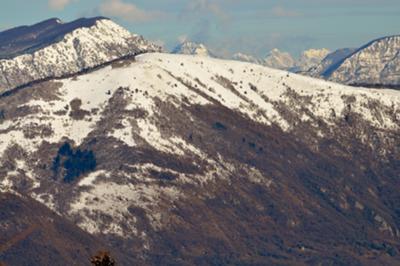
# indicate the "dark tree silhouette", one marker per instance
pixel 73 163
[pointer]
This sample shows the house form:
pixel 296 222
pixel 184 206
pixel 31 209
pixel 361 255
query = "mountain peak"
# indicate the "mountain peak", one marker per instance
pixel 279 60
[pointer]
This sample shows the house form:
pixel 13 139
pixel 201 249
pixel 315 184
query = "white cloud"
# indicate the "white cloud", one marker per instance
pixel 59 4
pixel 127 11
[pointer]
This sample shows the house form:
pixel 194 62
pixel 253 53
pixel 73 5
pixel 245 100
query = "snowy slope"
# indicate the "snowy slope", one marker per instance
pixel 82 48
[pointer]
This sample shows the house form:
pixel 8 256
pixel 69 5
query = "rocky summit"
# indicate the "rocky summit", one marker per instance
pixel 166 159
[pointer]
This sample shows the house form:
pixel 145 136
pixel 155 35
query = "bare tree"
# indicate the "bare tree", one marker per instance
pixel 102 259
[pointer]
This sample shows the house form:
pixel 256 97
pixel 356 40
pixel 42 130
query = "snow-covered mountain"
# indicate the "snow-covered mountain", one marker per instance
pixel 374 64
pixel 274 59
pixel 310 59
pixel 192 48
pixel 55 49
pixel 279 60
pixel 175 159
pixel 247 58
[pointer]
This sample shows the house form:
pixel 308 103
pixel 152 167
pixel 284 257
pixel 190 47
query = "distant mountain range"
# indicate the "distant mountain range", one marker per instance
pixel 274 59
pixel 376 64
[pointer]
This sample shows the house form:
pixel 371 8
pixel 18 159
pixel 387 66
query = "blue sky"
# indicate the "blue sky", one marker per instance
pixel 228 26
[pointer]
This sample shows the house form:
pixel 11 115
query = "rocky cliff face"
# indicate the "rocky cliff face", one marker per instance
pixel 189 159
pixel 375 64
pixel 54 49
